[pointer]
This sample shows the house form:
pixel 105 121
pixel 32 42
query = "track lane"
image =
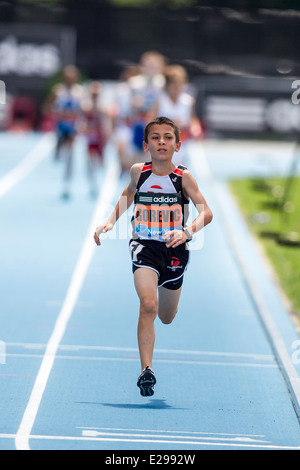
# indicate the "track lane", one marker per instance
pixel 218 381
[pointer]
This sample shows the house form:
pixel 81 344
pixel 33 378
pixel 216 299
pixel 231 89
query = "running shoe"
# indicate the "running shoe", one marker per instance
pixel 146 382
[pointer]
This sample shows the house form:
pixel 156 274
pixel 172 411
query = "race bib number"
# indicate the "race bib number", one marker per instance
pixel 155 214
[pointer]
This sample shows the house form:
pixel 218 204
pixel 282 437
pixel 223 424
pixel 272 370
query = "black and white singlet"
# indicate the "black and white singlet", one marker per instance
pixel 160 204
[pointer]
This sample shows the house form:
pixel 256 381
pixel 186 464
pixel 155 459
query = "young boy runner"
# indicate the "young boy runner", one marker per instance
pixel 161 192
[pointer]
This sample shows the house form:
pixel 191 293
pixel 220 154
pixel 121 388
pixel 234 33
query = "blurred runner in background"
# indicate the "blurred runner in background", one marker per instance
pixel 122 119
pixel 145 89
pixel 95 127
pixel 136 95
pixel 176 103
pixel 65 104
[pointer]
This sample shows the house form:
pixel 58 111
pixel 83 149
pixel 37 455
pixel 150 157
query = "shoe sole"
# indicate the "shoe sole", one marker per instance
pixel 146 384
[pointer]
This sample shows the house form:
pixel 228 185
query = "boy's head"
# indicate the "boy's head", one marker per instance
pixel 160 121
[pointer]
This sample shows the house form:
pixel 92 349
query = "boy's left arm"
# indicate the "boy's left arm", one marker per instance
pixel 205 215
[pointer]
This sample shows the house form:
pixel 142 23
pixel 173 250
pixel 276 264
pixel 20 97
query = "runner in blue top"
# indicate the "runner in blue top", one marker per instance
pixel 161 193
pixel 65 104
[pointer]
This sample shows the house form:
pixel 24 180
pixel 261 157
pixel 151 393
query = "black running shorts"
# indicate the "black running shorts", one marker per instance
pixel 169 263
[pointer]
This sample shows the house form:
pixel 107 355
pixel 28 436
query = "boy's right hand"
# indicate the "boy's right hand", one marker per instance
pixel 102 229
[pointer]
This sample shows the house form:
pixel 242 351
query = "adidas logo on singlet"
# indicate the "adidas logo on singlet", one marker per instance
pixel 159 199
pixel 165 199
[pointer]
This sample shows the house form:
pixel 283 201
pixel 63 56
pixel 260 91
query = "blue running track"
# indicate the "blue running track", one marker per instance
pixel 227 378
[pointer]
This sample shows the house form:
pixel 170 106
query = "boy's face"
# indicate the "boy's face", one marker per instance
pixel 162 142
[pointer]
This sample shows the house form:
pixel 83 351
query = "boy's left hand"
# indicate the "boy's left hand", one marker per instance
pixel 175 238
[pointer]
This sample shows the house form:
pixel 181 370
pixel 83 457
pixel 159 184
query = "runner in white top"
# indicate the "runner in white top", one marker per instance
pixel 177 104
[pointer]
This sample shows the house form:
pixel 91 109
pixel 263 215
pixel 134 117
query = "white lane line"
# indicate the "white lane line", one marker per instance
pixel 131 355
pixel 94 433
pixel 28 165
pixel 105 199
pixel 224 200
pixel 190 433
pixel 184 352
pixel 158 361
pixel 156 441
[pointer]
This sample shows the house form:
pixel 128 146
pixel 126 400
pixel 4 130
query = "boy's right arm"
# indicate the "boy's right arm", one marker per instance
pixel 124 203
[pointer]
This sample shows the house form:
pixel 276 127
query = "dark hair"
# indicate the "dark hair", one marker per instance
pixel 160 121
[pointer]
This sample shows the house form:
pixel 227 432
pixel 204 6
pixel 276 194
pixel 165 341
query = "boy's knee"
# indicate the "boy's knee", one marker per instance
pixel 167 317
pixel 149 306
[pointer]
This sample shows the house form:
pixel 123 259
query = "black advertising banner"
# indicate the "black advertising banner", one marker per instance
pixel 249 104
pixel 31 54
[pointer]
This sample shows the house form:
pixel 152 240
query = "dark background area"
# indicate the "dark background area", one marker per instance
pixel 232 49
pixel 252 36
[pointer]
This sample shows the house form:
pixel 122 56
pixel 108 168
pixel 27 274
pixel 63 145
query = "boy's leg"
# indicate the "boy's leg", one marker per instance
pixel 168 304
pixel 146 281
